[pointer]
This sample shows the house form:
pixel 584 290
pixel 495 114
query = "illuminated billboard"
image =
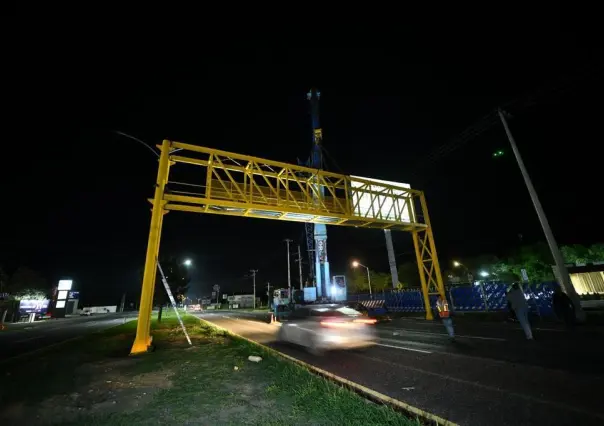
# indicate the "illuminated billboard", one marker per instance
pixel 374 199
pixel 33 306
pixel 65 284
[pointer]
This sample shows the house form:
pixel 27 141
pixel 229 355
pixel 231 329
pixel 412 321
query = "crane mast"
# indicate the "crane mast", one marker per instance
pixel 316 234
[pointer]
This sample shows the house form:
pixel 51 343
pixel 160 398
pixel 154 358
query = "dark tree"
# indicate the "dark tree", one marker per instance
pixel 26 283
pixel 408 275
pixel 4 279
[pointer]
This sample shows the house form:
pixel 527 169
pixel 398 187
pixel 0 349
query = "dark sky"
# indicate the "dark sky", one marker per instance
pixel 74 192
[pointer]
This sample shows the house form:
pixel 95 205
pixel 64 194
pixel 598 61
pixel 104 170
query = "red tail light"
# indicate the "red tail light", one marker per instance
pixel 365 321
pixel 335 324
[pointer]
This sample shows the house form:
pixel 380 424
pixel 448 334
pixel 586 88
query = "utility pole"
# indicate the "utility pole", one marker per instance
pixel 268 293
pixel 549 236
pixel 300 267
pixel 122 302
pixel 368 280
pixel 253 271
pixel 391 257
pixel 289 275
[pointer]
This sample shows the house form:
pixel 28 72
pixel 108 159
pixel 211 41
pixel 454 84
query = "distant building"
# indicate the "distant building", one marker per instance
pixel 587 278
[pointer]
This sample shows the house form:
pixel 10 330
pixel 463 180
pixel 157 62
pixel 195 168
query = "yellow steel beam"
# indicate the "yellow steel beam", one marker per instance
pixel 244 158
pixel 142 340
pixel 282 216
pixel 175 199
pixel 226 185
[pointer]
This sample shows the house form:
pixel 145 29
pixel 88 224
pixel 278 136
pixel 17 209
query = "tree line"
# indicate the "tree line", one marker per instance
pixel 24 283
pixel 536 259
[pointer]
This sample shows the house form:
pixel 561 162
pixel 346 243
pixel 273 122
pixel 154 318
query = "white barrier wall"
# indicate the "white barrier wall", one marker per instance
pixel 100 309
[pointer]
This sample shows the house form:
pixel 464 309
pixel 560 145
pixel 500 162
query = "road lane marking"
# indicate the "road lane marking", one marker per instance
pixel 480 337
pixel 406 330
pixel 29 338
pixel 483 325
pixel 555 404
pixel 404 348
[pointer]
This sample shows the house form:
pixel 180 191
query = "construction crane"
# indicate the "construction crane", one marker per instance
pixel 321 286
pixel 316 233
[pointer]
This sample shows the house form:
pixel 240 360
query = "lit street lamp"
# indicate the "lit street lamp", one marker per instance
pixel 484 274
pixel 188 262
pixel 458 264
pixel 356 264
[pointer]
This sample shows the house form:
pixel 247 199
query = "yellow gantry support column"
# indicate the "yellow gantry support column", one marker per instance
pixel 427 261
pixel 153 280
pixel 440 287
pixel 422 274
pixel 143 328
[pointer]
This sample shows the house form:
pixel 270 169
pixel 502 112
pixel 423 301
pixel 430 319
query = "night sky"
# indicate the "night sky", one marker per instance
pixel 74 192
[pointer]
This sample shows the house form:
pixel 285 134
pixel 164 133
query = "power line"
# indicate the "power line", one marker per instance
pixel 335 163
pixel 519 104
pixel 138 140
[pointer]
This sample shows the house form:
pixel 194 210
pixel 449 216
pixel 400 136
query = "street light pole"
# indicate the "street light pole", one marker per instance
pixel 355 264
pixel 268 293
pixel 549 236
pixel 300 267
pixel 368 279
pixel 289 275
pixel 253 271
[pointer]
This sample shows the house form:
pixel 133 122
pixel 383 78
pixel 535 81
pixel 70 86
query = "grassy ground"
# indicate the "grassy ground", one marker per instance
pixel 92 381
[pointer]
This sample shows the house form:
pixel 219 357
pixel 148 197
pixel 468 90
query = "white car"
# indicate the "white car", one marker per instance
pixel 324 327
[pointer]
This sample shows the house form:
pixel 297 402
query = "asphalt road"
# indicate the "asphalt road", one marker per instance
pixel 20 339
pixel 491 375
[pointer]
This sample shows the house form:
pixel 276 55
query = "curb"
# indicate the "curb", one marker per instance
pixel 359 389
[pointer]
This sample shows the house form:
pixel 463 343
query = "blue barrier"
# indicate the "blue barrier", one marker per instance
pixel 490 296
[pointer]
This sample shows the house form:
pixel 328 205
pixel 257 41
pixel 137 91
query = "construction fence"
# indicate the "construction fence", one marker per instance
pixel 470 297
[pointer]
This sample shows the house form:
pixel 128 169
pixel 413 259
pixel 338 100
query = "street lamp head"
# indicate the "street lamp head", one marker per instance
pixel 355 264
pixel 188 262
pixel 484 274
pixel 456 263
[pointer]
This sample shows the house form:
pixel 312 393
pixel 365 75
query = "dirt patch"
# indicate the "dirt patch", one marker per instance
pixel 111 391
pixel 249 399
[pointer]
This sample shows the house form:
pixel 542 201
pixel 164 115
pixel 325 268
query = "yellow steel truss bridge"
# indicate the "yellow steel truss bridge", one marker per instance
pixel 241 185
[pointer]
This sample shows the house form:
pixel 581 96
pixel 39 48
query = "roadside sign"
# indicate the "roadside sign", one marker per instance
pixel 224 296
pixel 524 275
pixel 213 294
pixel 216 287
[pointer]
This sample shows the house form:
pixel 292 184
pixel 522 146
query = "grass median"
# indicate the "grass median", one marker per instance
pixel 93 381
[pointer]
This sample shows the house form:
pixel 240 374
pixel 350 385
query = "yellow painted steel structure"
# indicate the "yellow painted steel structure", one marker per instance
pixel 241 185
